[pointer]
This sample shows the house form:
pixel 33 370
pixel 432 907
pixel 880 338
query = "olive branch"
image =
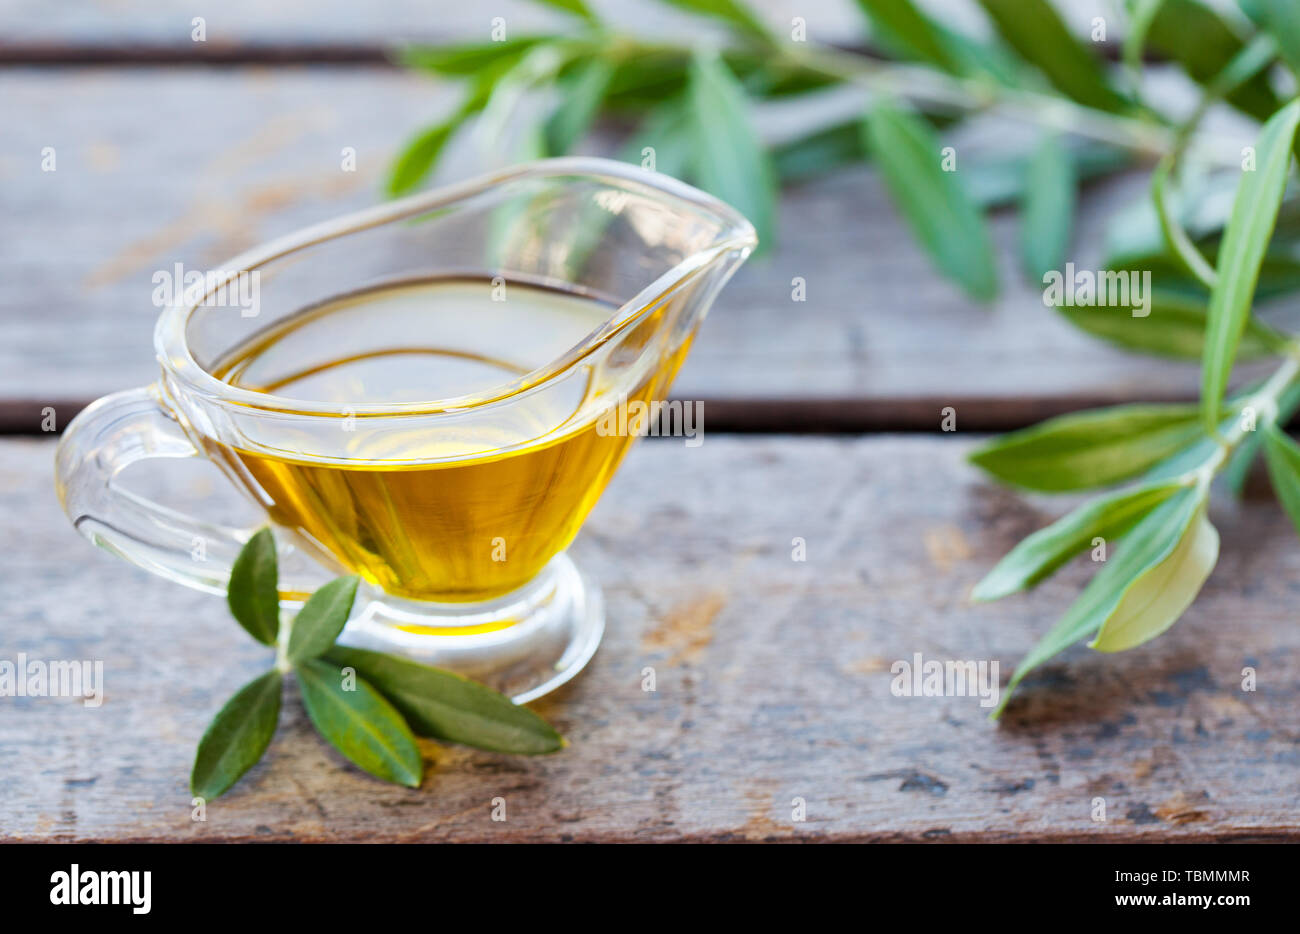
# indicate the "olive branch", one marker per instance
pixel 1219 233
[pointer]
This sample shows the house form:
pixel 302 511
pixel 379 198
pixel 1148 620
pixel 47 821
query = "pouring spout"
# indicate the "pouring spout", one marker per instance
pixel 652 249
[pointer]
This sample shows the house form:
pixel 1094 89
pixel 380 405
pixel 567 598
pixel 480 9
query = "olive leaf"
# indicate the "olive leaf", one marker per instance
pixel 1090 449
pixel 1237 470
pixel 237 737
pixel 1159 596
pixel 573 7
pixel 1173 327
pixel 730 161
pixel 933 202
pixel 360 723
pixel 1245 241
pixel 1047 210
pixel 998 180
pixel 1141 15
pixel 321 619
pixel 1203 43
pixel 346 709
pixel 534 72
pixel 1037 556
pixel 665 132
pixel 581 93
pixel 1282 18
pixel 731 12
pixel 447 706
pixel 1202 205
pixel 1283 458
pixel 1177 241
pixel 983 59
pixel 1035 30
pixel 253 594
pixel 420 154
pixel 818 152
pixel 1255 57
pixel 1141 551
pixel 470 59
pixel 901 26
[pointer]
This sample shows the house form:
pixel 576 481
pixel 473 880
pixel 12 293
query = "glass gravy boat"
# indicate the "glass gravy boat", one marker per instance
pixel 454 500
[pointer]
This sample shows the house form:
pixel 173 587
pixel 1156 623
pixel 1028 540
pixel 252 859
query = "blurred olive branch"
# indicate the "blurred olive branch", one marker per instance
pixel 1220 231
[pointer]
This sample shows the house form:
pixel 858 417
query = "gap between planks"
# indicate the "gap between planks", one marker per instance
pixel 236 54
pixel 761 416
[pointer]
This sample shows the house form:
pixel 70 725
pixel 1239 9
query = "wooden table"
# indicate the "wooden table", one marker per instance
pixel 773 679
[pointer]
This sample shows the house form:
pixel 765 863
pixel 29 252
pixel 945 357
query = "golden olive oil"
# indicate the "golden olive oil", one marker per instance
pixel 461 507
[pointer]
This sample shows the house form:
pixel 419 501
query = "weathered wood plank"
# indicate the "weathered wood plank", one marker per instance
pixel 26 24
pixel 773 678
pixel 155 168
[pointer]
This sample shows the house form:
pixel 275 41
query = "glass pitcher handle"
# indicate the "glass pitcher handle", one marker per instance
pixel 125 428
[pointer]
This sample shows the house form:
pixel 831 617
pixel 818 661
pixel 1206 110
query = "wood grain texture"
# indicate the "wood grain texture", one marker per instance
pixel 26 24
pixel 772 677
pixel 157 167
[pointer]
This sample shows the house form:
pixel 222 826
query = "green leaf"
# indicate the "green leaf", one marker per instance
pixel 1255 11
pixel 985 60
pixel 730 160
pixel 1035 30
pixel 360 724
pixel 1047 212
pixel 573 7
pixel 446 706
pixel 731 12
pixel 1245 242
pixel 1037 556
pixel 1279 276
pixel 1283 459
pixel 1257 55
pixel 1161 594
pixel 510 116
pixel 1177 241
pixel 1089 449
pixel 322 618
pixel 934 202
pixel 500 81
pixel 1237 471
pixel 1283 18
pixel 581 93
pixel 1175 327
pixel 470 59
pixel 1203 43
pixel 900 25
pixel 1001 180
pixel 237 737
pixel 1143 548
pixel 254 593
pixel 1142 14
pixel 819 152
pixel 666 130
pixel 646 80
pixel 1202 207
pixel 419 156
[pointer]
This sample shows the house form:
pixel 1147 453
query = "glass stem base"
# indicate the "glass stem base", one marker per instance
pixel 524 644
